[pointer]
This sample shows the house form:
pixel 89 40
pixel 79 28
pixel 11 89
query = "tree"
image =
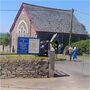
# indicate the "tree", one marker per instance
pixel 82 46
pixel 4 39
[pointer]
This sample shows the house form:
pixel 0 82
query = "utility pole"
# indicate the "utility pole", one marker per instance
pixel 70 34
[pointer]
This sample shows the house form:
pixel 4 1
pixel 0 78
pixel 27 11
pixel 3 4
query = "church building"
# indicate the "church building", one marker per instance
pixel 43 22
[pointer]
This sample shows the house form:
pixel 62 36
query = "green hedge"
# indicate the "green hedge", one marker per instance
pixel 83 46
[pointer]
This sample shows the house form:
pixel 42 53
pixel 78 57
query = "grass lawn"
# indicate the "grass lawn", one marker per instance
pixel 6 57
pixel 58 57
pixel 84 58
pixel 22 57
pixel 80 58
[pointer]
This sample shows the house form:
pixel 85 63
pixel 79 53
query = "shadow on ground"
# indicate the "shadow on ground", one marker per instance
pixel 60 74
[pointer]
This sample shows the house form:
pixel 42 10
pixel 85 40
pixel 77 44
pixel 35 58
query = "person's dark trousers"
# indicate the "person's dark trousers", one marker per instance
pixel 70 57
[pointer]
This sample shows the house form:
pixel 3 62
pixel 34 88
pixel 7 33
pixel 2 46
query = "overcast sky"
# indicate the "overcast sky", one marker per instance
pixel 9 9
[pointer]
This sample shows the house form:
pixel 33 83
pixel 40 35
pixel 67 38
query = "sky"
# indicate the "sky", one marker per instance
pixel 9 9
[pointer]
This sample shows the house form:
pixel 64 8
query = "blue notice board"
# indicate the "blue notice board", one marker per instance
pixel 23 45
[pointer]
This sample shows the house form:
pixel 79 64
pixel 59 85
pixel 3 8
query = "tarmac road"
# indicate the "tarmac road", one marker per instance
pixel 77 78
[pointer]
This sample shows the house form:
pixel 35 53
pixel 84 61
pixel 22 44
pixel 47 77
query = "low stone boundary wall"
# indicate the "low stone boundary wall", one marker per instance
pixel 24 68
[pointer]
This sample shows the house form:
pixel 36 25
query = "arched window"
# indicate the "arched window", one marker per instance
pixel 22 28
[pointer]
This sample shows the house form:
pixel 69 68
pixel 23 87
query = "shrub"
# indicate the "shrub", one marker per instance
pixel 82 46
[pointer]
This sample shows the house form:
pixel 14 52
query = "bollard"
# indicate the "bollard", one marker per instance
pixel 51 55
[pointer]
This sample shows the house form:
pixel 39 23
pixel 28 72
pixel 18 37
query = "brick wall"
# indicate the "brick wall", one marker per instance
pixel 15 32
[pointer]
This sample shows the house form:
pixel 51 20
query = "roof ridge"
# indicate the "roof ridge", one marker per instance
pixel 44 7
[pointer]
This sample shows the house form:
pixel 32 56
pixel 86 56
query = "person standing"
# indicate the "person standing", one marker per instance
pixel 74 53
pixel 70 52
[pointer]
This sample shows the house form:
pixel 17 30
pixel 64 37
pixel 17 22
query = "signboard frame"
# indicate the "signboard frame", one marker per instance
pixel 19 51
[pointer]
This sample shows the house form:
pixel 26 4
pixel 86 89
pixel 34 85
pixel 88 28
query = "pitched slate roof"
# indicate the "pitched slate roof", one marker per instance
pixel 53 20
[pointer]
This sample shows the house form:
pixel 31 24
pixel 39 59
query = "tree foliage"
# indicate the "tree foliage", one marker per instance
pixel 4 39
pixel 82 46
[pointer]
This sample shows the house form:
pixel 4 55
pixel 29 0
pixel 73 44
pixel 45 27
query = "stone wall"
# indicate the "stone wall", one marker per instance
pixel 24 69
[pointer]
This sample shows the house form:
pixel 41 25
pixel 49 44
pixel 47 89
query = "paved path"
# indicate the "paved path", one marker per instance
pixel 78 79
